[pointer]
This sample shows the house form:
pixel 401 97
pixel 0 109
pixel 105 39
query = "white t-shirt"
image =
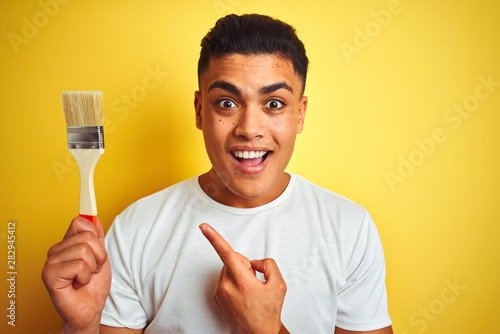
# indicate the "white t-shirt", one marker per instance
pixel 165 271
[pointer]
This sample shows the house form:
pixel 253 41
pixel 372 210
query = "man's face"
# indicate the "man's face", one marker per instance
pixel 250 109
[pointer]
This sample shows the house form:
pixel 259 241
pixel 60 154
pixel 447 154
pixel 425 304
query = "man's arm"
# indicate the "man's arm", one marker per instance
pixel 386 330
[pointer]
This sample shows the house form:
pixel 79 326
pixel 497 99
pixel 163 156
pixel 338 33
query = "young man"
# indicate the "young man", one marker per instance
pixel 322 267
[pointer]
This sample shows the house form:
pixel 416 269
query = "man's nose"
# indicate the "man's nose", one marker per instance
pixel 251 123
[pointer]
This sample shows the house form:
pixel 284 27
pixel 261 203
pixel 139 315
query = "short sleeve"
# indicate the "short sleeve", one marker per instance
pixel 123 307
pixel 362 303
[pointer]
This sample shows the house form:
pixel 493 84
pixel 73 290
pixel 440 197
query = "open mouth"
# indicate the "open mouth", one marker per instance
pixel 251 158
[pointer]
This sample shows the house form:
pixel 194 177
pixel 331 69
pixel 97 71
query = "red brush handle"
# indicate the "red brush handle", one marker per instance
pixel 92 219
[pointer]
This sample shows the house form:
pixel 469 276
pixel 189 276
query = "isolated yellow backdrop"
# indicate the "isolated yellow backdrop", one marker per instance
pixel 403 118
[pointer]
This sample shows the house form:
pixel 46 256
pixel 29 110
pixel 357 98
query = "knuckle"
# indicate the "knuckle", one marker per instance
pixel 283 288
pixel 46 274
pixel 82 248
pixel 223 286
pixel 81 266
pixel 224 289
pixel 87 236
pixel 280 289
pixel 76 222
pixel 48 262
pixel 100 263
pixel 52 250
pixel 101 259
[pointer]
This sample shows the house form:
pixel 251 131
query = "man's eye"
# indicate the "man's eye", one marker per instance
pixel 226 104
pixel 274 104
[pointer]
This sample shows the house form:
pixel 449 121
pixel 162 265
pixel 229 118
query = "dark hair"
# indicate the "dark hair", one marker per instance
pixel 253 34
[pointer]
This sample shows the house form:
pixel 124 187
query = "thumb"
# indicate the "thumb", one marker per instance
pixel 100 229
pixel 273 277
pixel 269 268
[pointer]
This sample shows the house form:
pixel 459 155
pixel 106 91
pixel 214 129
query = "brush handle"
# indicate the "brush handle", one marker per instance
pixel 86 159
pixel 92 219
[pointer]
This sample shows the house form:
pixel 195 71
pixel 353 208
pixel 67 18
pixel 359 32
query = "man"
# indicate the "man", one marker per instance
pixel 323 266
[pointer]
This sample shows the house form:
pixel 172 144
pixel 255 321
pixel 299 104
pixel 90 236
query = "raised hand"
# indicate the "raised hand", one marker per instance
pixel 247 304
pixel 77 275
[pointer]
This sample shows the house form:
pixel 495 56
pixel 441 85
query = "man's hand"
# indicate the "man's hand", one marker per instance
pixel 247 304
pixel 77 275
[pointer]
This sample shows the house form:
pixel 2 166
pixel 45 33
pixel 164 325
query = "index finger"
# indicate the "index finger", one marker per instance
pixel 79 224
pixel 238 265
pixel 221 246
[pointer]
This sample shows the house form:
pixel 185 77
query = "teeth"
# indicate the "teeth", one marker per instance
pixel 249 154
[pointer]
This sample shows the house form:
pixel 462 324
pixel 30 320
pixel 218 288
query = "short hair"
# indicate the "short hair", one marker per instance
pixel 253 34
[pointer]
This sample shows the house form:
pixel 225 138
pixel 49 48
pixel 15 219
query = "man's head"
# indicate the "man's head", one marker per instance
pixel 253 34
pixel 250 107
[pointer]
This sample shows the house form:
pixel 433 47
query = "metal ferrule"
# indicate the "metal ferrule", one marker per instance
pixel 85 137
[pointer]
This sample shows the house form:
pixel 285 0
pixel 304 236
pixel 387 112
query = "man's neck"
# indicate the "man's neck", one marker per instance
pixel 216 189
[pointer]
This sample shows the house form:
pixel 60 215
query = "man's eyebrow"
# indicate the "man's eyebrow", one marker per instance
pixel 226 86
pixel 274 87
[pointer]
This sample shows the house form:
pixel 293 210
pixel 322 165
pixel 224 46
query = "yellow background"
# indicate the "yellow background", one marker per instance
pixel 439 221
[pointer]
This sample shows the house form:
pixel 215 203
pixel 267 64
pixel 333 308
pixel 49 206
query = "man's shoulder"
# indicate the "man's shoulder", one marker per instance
pixel 173 190
pixel 149 206
pixel 324 197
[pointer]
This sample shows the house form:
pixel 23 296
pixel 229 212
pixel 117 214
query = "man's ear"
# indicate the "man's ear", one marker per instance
pixel 197 109
pixel 302 113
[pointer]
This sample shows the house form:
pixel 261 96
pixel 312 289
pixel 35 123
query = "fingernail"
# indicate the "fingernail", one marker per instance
pixel 98 269
pixel 203 228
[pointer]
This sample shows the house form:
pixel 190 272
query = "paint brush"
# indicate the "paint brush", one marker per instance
pixel 84 121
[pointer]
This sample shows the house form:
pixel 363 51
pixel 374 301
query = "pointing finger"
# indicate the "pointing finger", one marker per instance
pixel 221 246
pixel 237 264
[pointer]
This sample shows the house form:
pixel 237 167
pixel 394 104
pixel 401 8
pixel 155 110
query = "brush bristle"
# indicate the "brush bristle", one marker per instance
pixel 83 108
